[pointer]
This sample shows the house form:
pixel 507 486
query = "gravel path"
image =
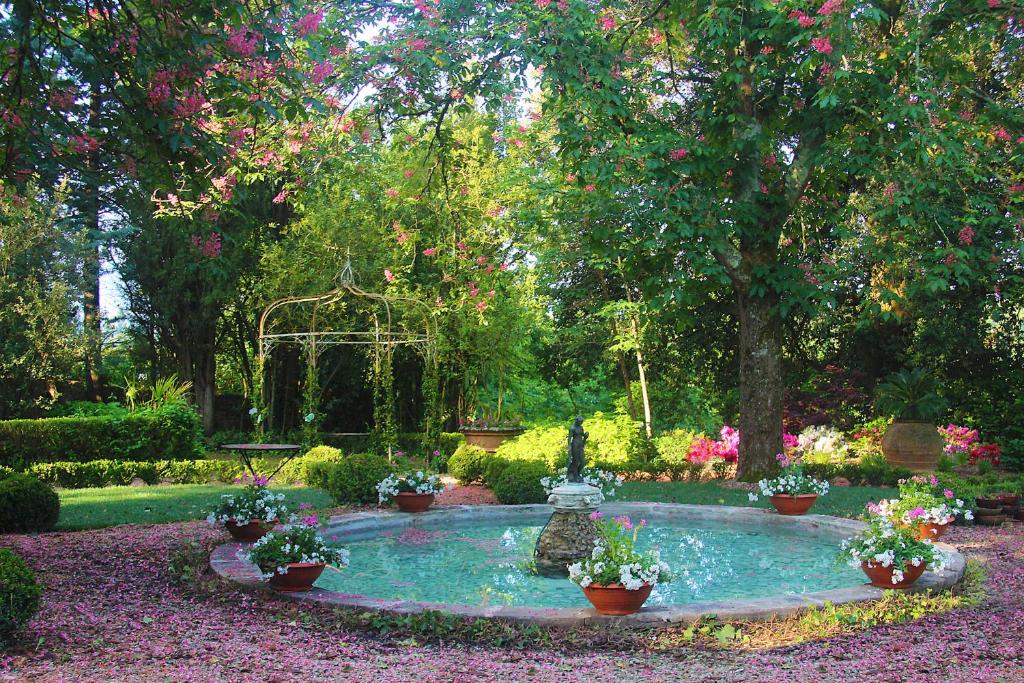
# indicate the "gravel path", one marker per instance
pixel 112 613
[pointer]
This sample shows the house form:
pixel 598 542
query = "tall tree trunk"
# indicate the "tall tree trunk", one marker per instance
pixel 91 265
pixel 204 382
pixel 760 385
pixel 642 377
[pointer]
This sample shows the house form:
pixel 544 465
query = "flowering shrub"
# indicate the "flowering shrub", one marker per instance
pixel 608 482
pixel 821 445
pixel 410 482
pixel 298 541
pixel 989 452
pixel 615 560
pixel 958 439
pixel 255 501
pixel 883 544
pixel 703 449
pixel 791 482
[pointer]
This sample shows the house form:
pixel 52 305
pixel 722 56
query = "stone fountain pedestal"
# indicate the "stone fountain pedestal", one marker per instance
pixel 569 535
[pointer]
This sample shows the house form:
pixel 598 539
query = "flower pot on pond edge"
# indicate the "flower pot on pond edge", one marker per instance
pixel 251 532
pixel 793 505
pixel 414 502
pixel 300 577
pixel 614 599
pixel 881 577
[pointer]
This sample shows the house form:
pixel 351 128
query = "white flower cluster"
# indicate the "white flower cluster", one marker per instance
pixel 294 543
pixel 823 443
pixel 632 576
pixel 606 481
pixel 411 482
pixel 257 503
pixel 791 485
pixel 882 545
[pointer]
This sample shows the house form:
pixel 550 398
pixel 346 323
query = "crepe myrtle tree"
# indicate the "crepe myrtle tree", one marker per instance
pixel 771 138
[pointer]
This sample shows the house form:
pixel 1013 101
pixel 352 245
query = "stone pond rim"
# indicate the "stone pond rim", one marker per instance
pixel 225 563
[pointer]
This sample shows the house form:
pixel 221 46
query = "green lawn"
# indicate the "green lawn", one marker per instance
pixel 841 501
pixel 111 505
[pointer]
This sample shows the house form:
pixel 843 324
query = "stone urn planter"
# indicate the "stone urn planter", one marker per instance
pixel 881 577
pixel 914 444
pixel 490 439
pixel 793 505
pixel 615 600
pixel 300 577
pixel 414 502
pixel 251 532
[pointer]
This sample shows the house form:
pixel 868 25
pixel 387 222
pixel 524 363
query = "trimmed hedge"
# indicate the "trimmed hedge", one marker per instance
pixel 353 480
pixel 27 505
pixel 467 463
pixel 519 483
pixel 19 596
pixel 99 473
pixel 874 471
pixel 171 432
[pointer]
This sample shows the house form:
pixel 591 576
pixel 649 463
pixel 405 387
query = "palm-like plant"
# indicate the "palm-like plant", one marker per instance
pixel 910 395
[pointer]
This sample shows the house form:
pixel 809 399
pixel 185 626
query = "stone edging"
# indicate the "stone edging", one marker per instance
pixel 359 525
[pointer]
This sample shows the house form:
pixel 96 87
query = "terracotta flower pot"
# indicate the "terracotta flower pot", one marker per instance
pixel 793 505
pixel 414 502
pixel 615 599
pixel 490 439
pixel 881 577
pixel 248 533
pixel 932 530
pixel 914 444
pixel 300 577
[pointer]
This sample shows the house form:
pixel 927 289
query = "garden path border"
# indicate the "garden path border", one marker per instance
pixel 361 525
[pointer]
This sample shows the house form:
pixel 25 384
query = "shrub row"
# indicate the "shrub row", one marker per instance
pixel 97 473
pixel 514 481
pixel 352 480
pixel 172 432
pixel 871 471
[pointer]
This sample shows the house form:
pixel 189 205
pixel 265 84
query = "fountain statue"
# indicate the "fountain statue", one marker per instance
pixel 570 532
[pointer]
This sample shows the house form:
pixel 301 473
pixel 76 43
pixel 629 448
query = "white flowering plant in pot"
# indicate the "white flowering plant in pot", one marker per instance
pixel 791 481
pixel 615 559
pixel 410 482
pixel 923 500
pixel 255 502
pixel 297 542
pixel 886 545
pixel 607 482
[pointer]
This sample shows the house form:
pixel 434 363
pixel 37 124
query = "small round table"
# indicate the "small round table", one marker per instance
pixel 245 452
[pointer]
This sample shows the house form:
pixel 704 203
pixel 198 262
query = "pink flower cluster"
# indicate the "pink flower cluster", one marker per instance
pixel 958 439
pixel 822 45
pixel 703 449
pixel 308 24
pixel 211 248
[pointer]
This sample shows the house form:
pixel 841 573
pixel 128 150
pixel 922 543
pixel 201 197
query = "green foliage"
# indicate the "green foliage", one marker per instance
pixel 519 483
pixel 199 471
pixel 353 480
pixel 6 471
pixel 27 505
pixel 172 432
pixel 297 469
pixel 19 596
pixel 494 466
pixel 911 395
pixel 431 625
pixel 467 464
pixel 616 444
pixel 1012 458
pixel 95 473
pixel 870 471
pixel 673 447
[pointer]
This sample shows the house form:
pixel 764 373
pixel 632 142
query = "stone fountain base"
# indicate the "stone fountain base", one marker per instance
pixel 569 535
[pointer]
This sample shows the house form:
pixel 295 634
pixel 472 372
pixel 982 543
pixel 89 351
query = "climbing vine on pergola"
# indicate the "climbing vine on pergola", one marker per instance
pixel 350 316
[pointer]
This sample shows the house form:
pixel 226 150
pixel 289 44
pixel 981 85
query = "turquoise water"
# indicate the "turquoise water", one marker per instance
pixel 487 566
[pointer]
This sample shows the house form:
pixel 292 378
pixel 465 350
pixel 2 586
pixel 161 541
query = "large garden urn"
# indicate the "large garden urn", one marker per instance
pixel 914 444
pixel 490 438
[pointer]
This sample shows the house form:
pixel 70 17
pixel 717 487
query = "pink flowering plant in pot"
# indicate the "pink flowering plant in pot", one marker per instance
pixel 297 549
pixel 792 492
pixel 924 505
pixel 617 578
pixel 891 556
pixel 251 512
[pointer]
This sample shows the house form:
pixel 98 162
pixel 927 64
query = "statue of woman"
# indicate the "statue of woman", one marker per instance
pixel 577 440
